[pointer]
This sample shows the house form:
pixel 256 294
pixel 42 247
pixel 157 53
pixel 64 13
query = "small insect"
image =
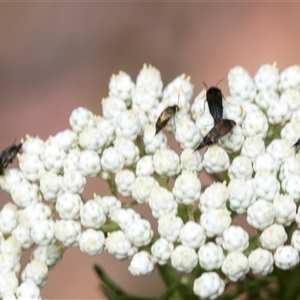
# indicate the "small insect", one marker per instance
pixel 7 156
pixel 297 146
pixel 222 127
pixel 165 116
pixel 214 100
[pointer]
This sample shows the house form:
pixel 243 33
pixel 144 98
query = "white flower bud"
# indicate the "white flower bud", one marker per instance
pixel 289 168
pixel 199 105
pixel 273 236
pixel 8 283
pixel 235 238
pixel 265 163
pixel 191 160
pixel 35 212
pixel 42 232
pixel 153 142
pixel 192 235
pixel 68 232
pixel 112 108
pixel 37 271
pixel 73 181
pixel 187 134
pixel 297 218
pixel 187 188
pixel 215 221
pixel 8 218
pixel 285 209
pixel 9 263
pixel 241 195
pixel 66 139
pixel 91 138
pixel 31 166
pixel 211 256
pixel 123 217
pixel 128 125
pixel 107 128
pixel 265 98
pixel 25 194
pixel 51 185
pixel 28 290
pixel 89 163
pixel 111 160
pixel 279 112
pixel 296 240
pixel 142 187
pixel 253 147
pixel 290 78
pixel 118 245
pixel 267 77
pixel 233 110
pixel 81 118
pixel 286 257
pixel 214 197
pixel 291 186
pixel 144 166
pixel 150 77
pixel 52 254
pixel 141 263
pixel 260 214
pixel 139 232
pixel 240 168
pixel 11 246
pixel 121 86
pixel 292 98
pixel 265 185
pixel 108 203
pixel 180 84
pixel 166 162
pixel 128 149
pixel 234 141
pixel 235 266
pixel 33 145
pixel 184 259
pixel 92 214
pixel 124 180
pixel 22 234
pixel 209 286
pixel 12 178
pixel 261 261
pixel 255 124
pixel 92 242
pixel 290 132
pixel 215 159
pixel 161 251
pixel 144 99
pixel 161 202
pixel 68 205
pixel 279 149
pixel 241 84
pixel 169 227
pixel 53 158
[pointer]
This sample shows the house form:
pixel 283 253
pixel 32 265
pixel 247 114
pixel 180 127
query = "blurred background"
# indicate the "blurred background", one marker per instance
pixel 55 57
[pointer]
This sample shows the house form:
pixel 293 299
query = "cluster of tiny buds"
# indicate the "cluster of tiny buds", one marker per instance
pixel 129 147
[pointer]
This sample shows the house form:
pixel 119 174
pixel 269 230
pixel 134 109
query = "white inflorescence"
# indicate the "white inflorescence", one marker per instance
pixel 193 231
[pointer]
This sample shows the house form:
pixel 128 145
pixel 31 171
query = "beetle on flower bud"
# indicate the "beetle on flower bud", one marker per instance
pixel 165 116
pixel 7 156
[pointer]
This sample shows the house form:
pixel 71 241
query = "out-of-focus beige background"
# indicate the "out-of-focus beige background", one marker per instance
pixel 55 57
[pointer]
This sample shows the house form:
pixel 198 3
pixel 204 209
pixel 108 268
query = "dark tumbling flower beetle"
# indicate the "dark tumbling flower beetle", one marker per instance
pixel 297 146
pixel 222 126
pixel 165 116
pixel 7 156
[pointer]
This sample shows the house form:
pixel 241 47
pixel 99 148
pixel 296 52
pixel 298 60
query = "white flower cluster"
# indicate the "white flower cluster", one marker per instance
pixel 263 183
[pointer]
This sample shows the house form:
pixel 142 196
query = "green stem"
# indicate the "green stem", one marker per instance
pixel 112 185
